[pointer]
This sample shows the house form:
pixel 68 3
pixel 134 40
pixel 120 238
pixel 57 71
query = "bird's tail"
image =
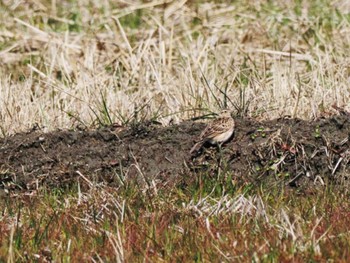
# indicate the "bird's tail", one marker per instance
pixel 196 147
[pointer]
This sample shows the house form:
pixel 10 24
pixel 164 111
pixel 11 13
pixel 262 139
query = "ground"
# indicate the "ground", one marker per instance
pixel 101 101
pixel 296 152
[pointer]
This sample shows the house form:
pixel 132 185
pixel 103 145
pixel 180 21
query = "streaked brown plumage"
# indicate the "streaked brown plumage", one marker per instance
pixel 217 132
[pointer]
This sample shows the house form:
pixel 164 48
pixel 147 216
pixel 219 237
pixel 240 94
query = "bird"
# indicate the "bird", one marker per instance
pixel 217 132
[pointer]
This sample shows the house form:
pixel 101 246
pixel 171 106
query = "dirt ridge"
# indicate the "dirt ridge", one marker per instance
pixel 292 150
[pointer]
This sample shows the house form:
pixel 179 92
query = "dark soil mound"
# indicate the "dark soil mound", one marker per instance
pixel 294 151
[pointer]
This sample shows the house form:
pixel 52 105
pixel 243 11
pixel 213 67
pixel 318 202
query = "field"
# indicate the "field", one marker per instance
pixel 100 102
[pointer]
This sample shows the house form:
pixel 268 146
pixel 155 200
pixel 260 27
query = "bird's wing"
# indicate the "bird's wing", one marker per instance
pixel 217 126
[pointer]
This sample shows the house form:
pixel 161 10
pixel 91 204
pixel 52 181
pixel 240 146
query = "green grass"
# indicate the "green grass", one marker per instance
pixel 191 223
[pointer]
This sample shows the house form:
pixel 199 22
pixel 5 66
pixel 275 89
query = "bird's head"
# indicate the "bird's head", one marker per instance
pixel 225 113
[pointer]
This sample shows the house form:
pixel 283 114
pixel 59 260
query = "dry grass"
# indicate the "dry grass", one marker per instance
pixel 104 61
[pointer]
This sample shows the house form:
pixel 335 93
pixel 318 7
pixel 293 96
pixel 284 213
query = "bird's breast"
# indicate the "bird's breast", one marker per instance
pixel 223 137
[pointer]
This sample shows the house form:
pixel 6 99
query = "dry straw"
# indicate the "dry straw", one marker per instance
pixel 168 60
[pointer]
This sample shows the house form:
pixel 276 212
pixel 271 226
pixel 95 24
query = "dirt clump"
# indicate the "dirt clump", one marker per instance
pixel 293 151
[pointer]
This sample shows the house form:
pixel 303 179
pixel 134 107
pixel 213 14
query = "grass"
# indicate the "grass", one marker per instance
pixel 180 224
pixel 79 59
pixel 94 63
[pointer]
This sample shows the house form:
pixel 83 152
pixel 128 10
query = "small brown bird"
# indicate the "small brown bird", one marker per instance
pixel 217 132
